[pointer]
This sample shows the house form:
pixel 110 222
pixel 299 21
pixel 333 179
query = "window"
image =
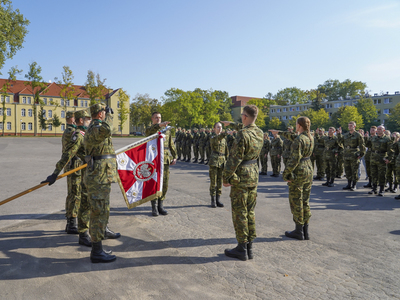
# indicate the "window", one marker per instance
pixel 62 102
pixel 23 100
pixel 8 125
pixel 29 100
pixel 44 113
pixel 272 110
pixel 23 126
pixel 292 109
pixel 8 111
pixel 29 126
pixel 23 112
pixel 345 103
pixel 119 127
pixel 337 105
pixel 50 127
pixel 86 104
pixel 330 114
pixel 45 101
pixel 386 111
pixel 388 100
pixel 379 112
pixel 328 105
pixel 82 103
pixel 1 111
pixel 66 102
pixel 284 109
pixel 298 108
pixel 278 110
pixel 50 113
pixel 29 112
pixel 377 101
pixel 1 125
pixel 290 117
pixel 284 118
pixel 62 127
pixel 118 104
pixel 62 114
pixel 8 99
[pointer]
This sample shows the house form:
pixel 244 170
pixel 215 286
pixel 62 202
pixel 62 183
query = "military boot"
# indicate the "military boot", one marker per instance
pixel 98 255
pixel 297 233
pixel 213 205
pixel 327 181
pixel 219 204
pixel 201 162
pixel 72 227
pixel 154 210
pixel 250 250
pixel 161 209
pixel 374 190
pixel 348 186
pixel 239 252
pixel 195 161
pixel 381 190
pixel 109 234
pixel 353 186
pixel 389 187
pixel 84 239
pixel 330 184
pixel 305 231
pixel 368 185
pixel 394 190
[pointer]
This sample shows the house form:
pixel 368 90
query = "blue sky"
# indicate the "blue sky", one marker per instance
pixel 246 48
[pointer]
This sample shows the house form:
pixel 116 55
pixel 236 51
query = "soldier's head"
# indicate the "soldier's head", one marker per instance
pixel 303 124
pixel 387 132
pixel 195 129
pixel 249 114
pixel 352 126
pixel 331 131
pixel 98 111
pixel 217 128
pixel 321 131
pixel 70 117
pixel 380 130
pixel 179 129
pixel 156 117
pixel 82 118
pixel 372 130
pixel 201 129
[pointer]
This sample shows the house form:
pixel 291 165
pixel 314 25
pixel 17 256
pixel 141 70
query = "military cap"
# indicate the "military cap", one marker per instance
pixel 290 127
pixel 96 108
pixel 81 114
pixel 69 114
pixel 323 129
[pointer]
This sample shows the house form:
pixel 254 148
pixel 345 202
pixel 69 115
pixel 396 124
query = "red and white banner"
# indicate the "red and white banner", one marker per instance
pixel 141 172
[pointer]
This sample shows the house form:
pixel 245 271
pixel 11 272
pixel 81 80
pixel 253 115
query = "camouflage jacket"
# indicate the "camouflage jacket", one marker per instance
pixel 381 147
pixel 196 138
pixel 247 147
pixel 395 154
pixel 169 146
pixel 353 145
pixel 266 147
pixel 287 143
pixel 66 137
pixel 276 146
pixel 219 150
pixel 98 142
pixel 202 139
pixel 178 136
pixel 319 145
pixel 331 146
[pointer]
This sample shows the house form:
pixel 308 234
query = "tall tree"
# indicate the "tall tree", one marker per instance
pixel 350 113
pixel 56 122
pixel 291 95
pixel 123 110
pixel 367 109
pixel 334 89
pixel 37 86
pixel 95 87
pixel 274 123
pixel 260 121
pixel 12 77
pixel 142 107
pixel 316 97
pixel 393 122
pixel 13 31
pixel 67 92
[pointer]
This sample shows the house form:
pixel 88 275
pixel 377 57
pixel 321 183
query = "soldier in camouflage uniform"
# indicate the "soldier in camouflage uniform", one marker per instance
pixel 230 139
pixel 275 154
pixel 318 153
pixel 100 173
pixel 241 174
pixel 340 159
pixel 299 175
pixel 202 139
pixel 287 143
pixel 367 156
pixel 169 159
pixel 219 153
pixel 396 157
pixel 331 149
pixel 196 137
pixel 391 168
pixel 264 154
pixel 188 145
pixel 354 149
pixel 381 149
pixel 207 146
pixel 178 136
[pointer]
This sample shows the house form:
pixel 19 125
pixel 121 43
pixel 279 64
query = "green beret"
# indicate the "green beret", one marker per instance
pixel 69 114
pixel 81 114
pixel 96 108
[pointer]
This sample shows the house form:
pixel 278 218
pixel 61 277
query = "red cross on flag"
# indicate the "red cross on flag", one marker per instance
pixel 141 171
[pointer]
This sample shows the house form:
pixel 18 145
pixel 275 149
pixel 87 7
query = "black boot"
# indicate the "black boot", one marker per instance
pixel 394 189
pixel 240 252
pixel 213 205
pixel 84 239
pixel 219 204
pixel 397 197
pixel 250 250
pixel 109 234
pixel 161 209
pixel 381 190
pixel 330 184
pixel 368 185
pixel 373 191
pixel 201 162
pixel 353 186
pixel 154 210
pixel 305 231
pixel 195 161
pixel 99 256
pixel 72 226
pixel 327 181
pixel 389 187
pixel 348 186
pixel 297 233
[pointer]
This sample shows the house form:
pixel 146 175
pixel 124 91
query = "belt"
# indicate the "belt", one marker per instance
pixel 248 162
pixel 304 158
pixel 104 156
pixel 219 153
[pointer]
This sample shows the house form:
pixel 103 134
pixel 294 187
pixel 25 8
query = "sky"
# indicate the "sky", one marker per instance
pixel 247 48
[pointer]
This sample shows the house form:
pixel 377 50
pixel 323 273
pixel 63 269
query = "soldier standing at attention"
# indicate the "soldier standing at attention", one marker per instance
pixel 178 136
pixel 207 148
pixel 339 164
pixel 391 168
pixel 264 154
pixel 287 143
pixel 330 156
pixel 276 153
pixel 196 137
pixel 219 153
pixel 169 159
pixel 299 175
pixel 100 173
pixel 202 137
pixel 319 153
pixel 354 149
pixel 188 145
pixel 241 174
pixel 367 156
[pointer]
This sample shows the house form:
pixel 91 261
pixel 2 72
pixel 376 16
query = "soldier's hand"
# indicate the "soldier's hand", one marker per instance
pixel 163 124
pixel 227 184
pixel 173 162
pixel 50 179
pixel 109 110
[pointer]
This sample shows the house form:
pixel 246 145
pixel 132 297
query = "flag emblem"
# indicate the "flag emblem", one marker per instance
pixel 144 171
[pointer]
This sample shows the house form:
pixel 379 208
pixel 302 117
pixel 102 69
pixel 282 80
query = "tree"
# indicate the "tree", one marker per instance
pixel 56 122
pixel 336 116
pixel 291 95
pixel 274 123
pixel 334 89
pixel 13 31
pixel 42 117
pixel 316 97
pixel 367 109
pixel 67 92
pixel 123 110
pixel 349 114
pixel 393 122
pixel 95 87
pixel 260 121
pixel 12 76
pixel 142 107
pixel 318 118
pixel 37 86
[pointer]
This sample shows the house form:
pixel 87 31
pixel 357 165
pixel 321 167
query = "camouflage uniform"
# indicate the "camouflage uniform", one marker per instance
pixel 331 149
pixel 202 139
pixel 396 158
pixel 391 171
pixel 188 145
pixel 241 171
pixel 353 144
pixel 276 153
pixel 207 146
pixel 339 161
pixel 101 171
pixel 367 159
pixel 196 137
pixel 178 138
pixel 264 156
pixel 219 153
pixel 286 150
pixel 229 140
pixel 318 154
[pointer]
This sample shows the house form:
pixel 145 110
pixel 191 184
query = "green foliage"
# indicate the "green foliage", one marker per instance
pixel 123 110
pixel 274 123
pixel 261 115
pixel 67 91
pixel 333 89
pixel 316 97
pixel 393 121
pixel 350 113
pixel 291 95
pixel 56 123
pixel 142 107
pixel 13 31
pixel 95 87
pixel 12 76
pixel 318 118
pixel 367 109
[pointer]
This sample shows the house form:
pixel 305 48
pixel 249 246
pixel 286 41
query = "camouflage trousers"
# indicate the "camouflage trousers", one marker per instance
pixel 319 162
pixel 208 151
pixel 351 169
pixel 264 163
pixel 188 152
pixel 397 164
pixel 378 171
pixel 285 160
pixel 99 199
pixel 339 164
pixel 178 149
pixel 276 164
pixel 195 152
pixel 215 174
pixel 299 197
pixel 330 166
pixel 73 200
pixel 84 208
pixel 243 201
pixel 390 173
pixel 201 151
pixel 367 159
pixel 165 182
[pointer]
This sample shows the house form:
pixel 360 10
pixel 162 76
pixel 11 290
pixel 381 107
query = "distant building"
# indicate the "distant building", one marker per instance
pixel 238 102
pixel 20 114
pixel 383 103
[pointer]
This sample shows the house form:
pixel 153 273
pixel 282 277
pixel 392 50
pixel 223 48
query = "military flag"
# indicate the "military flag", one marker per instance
pixel 141 170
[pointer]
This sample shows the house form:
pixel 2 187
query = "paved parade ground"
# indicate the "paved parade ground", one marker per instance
pixel 353 251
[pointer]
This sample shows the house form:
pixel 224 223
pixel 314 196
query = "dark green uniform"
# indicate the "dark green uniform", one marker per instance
pixel 318 154
pixel 264 156
pixel 287 143
pixel 276 154
pixel 381 148
pixel 331 149
pixel 219 153
pixel 196 143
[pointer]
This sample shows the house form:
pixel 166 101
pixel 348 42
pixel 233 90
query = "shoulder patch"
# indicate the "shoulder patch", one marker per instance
pixel 74 137
pixel 82 133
